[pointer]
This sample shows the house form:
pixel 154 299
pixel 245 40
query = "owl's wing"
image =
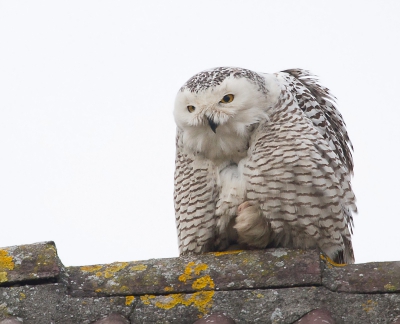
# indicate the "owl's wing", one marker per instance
pixel 319 105
pixel 194 197
pixel 299 170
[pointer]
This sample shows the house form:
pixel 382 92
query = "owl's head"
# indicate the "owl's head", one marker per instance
pixel 219 105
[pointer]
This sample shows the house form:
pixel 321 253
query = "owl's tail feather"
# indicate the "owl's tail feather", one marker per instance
pixel 345 256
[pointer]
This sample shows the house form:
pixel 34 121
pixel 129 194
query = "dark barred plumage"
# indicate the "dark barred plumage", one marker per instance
pixel 212 78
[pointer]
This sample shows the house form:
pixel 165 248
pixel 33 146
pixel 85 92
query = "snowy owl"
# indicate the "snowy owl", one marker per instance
pixel 262 160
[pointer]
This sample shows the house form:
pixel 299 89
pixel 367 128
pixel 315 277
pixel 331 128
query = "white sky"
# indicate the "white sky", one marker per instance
pixel 87 89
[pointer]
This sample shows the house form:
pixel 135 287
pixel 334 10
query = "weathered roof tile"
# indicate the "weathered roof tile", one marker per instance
pixel 28 263
pixel 373 277
pixel 213 271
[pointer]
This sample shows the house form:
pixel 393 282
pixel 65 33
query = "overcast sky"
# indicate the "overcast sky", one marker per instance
pixel 87 90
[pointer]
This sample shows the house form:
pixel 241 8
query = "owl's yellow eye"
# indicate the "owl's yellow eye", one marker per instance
pixel 227 98
pixel 191 108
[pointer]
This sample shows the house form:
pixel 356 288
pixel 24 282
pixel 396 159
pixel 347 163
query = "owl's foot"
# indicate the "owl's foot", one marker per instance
pixel 252 227
pixel 243 206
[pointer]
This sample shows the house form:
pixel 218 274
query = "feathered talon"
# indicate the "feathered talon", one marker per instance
pixel 252 227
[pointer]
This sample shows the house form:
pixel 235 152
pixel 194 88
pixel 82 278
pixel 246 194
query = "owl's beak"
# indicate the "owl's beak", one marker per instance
pixel 212 124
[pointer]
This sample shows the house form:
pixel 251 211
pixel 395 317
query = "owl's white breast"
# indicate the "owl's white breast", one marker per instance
pixel 223 146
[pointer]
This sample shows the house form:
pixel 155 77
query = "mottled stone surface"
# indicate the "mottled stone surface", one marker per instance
pixel 29 263
pixel 382 277
pixel 268 286
pixel 220 271
pixel 285 305
pixel 51 304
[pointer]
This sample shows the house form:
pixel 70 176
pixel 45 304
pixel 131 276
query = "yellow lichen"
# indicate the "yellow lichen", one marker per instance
pixel 203 282
pixel 330 262
pixel 46 256
pixel 390 287
pixel 202 300
pixel 369 305
pixel 98 290
pixel 200 267
pixel 260 295
pixel 190 268
pixel 227 252
pixel 139 267
pixel 108 271
pixel 124 289
pixel 3 277
pixel 92 268
pixel 22 296
pixel 6 261
pixel 187 272
pixel 129 300
pixel 146 299
pixel 171 301
pixel 168 289
pixel 115 267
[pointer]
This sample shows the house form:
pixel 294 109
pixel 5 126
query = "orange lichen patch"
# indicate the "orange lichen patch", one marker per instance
pixel 129 300
pixel 190 268
pixel 227 252
pixel 115 267
pixel 98 290
pixel 369 305
pixel 187 272
pixel 202 300
pixel 171 301
pixel 93 268
pixel 6 261
pixel 330 262
pixel 107 271
pixel 146 299
pixel 139 267
pixel 168 289
pixel 203 282
pixel 200 267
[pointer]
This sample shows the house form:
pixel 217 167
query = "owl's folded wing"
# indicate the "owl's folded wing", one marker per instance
pixel 194 197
